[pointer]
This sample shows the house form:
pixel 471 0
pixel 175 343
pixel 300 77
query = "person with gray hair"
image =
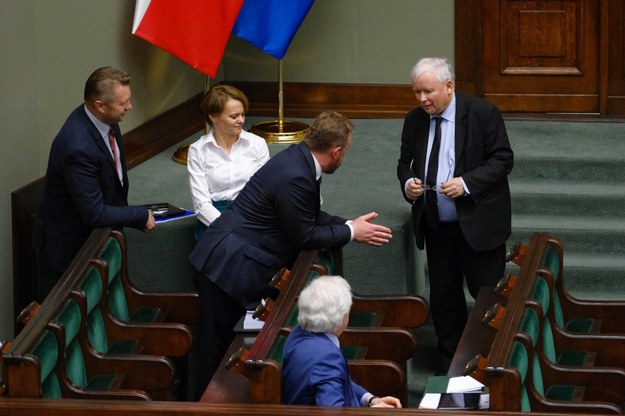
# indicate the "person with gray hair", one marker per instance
pixel 315 371
pixel 453 169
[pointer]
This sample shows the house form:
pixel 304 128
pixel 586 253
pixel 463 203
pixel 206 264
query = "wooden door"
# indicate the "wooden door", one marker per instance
pixel 550 56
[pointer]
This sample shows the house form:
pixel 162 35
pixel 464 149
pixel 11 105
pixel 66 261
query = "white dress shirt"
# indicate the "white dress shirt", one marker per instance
pixel 216 176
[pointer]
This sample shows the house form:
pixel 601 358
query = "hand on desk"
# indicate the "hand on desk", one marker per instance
pixel 151 222
pixel 387 401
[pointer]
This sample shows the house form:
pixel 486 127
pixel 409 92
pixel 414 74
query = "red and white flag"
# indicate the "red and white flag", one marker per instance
pixel 195 31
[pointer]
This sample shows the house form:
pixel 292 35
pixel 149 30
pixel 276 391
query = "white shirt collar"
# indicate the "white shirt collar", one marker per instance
pixel 317 167
pixel 450 112
pixel 103 128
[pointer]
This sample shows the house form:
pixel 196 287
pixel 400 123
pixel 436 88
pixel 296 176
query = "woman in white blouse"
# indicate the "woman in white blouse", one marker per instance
pixel 221 162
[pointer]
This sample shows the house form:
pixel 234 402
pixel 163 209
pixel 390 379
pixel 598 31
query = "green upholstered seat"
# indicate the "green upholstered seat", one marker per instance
pixel 518 359
pixel 328 260
pixel 118 306
pixel 91 285
pixel 47 353
pixel 70 319
pixel 277 350
pixel 530 324
pixel 580 324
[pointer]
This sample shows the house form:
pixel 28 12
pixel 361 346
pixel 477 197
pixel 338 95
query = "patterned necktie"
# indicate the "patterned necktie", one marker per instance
pixel 113 144
pixel 431 206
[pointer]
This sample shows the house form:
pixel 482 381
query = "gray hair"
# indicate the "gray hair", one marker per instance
pixel 439 66
pixel 323 304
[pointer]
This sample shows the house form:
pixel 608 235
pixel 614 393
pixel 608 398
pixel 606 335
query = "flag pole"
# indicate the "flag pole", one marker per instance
pixel 280 130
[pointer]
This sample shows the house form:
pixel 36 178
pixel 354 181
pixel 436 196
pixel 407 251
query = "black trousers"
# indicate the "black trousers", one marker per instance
pixel 450 261
pixel 219 313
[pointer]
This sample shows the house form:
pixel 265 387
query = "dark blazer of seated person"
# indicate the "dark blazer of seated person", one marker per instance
pixel 315 371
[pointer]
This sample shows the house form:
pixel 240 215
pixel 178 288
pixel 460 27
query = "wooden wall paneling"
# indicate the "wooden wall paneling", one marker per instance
pixel 541 56
pixel 615 58
pixel 468 46
pixel 309 99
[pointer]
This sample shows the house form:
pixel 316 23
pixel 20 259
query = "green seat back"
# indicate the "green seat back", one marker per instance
pixel 70 318
pixel 518 359
pixel 530 324
pixel 541 294
pixel 47 353
pixel 552 262
pixel 292 320
pixel 549 348
pixel 277 350
pixel 112 255
pixel 537 376
pixel 96 332
pixel 558 314
pixel 327 260
pixel 313 275
pixel 579 325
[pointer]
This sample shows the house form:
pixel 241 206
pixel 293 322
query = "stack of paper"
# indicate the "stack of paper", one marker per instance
pixel 442 392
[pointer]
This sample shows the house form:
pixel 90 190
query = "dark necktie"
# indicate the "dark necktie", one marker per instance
pixel 319 190
pixel 114 150
pixel 431 206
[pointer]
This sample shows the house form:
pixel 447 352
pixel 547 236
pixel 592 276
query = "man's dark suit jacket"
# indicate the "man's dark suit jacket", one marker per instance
pixel 315 372
pixel 484 159
pixel 275 215
pixel 81 192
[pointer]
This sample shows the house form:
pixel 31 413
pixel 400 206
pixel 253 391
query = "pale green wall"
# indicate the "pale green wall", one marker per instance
pixel 49 47
pixel 353 41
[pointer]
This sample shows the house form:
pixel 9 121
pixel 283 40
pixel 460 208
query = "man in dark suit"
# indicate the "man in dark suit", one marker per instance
pixel 460 197
pixel 275 216
pixel 86 185
pixel 315 370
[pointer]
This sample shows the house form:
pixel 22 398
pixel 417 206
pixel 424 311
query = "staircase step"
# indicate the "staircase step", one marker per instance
pixel 562 204
pixel 577 234
pixel 568 169
pixel 586 275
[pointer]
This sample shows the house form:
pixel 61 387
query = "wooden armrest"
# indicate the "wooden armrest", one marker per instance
pixel 494 315
pixel 280 278
pixel 476 368
pixel 380 377
pixel 180 307
pixel 263 310
pixel 167 339
pixel 506 285
pixel 237 360
pixel 609 349
pixel 141 372
pixel 403 311
pixel 265 381
pixel 28 312
pixel 601 383
pixel 265 376
pixel 517 253
pixel 395 344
